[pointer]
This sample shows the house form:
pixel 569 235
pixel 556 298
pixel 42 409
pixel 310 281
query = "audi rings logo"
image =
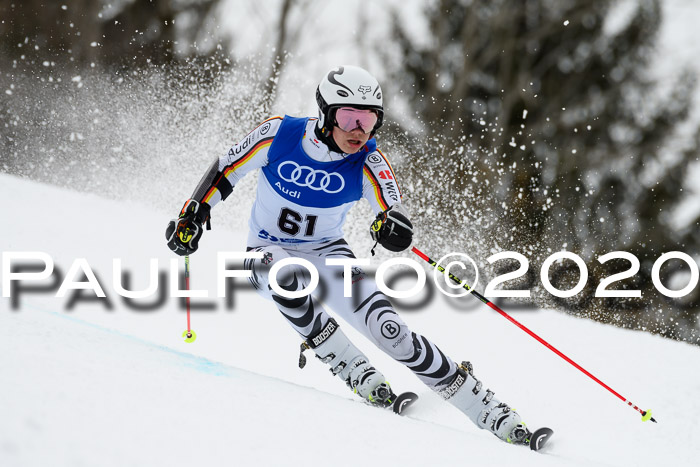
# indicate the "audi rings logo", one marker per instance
pixel 317 180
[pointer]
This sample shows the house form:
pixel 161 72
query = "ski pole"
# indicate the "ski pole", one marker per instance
pixel 646 414
pixel 189 334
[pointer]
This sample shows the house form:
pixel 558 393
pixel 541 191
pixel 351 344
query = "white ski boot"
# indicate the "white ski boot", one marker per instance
pixel 467 394
pixel 332 346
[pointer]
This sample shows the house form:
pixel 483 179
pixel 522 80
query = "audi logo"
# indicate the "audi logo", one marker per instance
pixel 303 176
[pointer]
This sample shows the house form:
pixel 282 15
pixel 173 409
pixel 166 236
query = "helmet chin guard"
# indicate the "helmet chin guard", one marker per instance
pixel 346 86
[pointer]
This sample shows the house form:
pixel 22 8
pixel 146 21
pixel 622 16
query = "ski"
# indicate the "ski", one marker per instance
pixel 539 438
pixel 403 401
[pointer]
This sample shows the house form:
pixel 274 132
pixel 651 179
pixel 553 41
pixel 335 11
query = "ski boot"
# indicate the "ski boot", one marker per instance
pixel 466 393
pixel 332 346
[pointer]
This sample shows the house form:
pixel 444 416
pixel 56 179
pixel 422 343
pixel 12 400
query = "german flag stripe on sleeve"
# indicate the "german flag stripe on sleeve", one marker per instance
pixel 276 117
pixel 212 191
pixel 392 171
pixel 377 188
pixel 225 187
pixel 241 161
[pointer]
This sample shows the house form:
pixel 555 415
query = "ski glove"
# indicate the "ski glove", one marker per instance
pixel 183 233
pixel 392 230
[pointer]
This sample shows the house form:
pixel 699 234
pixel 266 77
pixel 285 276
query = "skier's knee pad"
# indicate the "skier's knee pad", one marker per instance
pixel 392 335
pixel 386 328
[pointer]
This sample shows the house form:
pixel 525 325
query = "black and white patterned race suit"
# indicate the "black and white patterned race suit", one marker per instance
pixel 304 193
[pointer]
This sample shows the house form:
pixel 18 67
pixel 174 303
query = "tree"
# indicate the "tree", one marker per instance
pixel 134 32
pixel 552 129
pixel 288 34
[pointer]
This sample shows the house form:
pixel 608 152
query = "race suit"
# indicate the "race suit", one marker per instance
pixel 304 193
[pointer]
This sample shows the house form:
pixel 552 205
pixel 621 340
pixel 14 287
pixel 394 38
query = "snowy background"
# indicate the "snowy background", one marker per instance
pixel 99 382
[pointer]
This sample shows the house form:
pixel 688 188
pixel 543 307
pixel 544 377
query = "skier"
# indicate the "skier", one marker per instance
pixel 312 172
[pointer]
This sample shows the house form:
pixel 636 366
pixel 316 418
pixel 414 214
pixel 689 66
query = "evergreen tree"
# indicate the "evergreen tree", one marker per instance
pixel 553 129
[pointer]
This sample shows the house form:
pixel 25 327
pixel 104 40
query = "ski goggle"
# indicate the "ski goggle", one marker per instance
pixel 347 119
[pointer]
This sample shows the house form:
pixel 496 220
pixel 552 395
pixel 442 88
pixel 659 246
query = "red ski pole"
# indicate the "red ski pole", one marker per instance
pixel 646 414
pixel 189 335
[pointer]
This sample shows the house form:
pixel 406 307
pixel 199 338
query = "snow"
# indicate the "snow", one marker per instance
pixel 87 384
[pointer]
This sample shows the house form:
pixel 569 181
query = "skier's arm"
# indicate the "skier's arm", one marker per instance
pixel 379 185
pixel 392 228
pixel 248 154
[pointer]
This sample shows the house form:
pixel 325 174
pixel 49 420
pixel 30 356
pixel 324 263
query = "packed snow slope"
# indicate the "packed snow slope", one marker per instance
pixel 99 382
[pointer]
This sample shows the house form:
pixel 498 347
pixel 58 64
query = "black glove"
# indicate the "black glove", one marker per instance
pixel 183 233
pixel 392 230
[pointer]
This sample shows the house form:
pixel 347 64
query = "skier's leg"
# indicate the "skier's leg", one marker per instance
pixel 303 314
pixel 319 331
pixel 371 312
